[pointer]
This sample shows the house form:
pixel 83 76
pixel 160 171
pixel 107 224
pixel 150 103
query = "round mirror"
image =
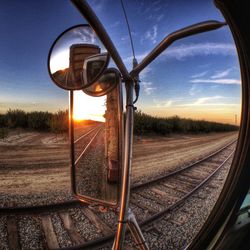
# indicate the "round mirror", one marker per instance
pixel 105 84
pixel 68 53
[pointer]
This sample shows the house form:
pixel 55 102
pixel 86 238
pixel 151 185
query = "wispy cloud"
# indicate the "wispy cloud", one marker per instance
pixel 156 2
pixel 221 74
pixel 195 89
pixel 217 81
pixel 205 101
pixel 151 34
pixel 199 74
pixel 115 24
pixel 162 104
pixel 145 72
pixel 98 5
pixel 208 101
pixel 139 57
pixel 160 17
pixel 200 49
pixel 148 87
pixel 190 50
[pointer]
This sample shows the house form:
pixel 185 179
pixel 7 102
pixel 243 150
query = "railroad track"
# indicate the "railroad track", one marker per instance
pixel 75 226
pixel 83 142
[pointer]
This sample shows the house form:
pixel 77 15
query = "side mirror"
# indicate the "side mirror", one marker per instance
pixel 96 147
pixel 105 84
pixel 93 68
pixel 74 61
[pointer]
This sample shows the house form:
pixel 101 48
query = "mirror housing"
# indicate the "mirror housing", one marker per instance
pixel 66 61
pixel 96 155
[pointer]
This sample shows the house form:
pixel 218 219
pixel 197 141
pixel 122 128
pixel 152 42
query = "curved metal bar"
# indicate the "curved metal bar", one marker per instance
pixel 125 189
pixel 168 40
pixel 95 23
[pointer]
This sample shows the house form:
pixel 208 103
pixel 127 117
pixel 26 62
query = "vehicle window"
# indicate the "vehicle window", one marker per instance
pixel 189 109
pixel 186 123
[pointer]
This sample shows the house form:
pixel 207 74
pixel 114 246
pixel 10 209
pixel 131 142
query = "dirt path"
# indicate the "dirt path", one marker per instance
pixel 41 163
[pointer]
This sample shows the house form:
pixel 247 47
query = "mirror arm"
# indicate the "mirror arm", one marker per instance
pixel 126 170
pixel 71 138
pixel 95 23
pixel 168 40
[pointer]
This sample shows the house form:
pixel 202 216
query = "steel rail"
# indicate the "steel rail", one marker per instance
pixel 88 145
pixel 136 186
pixel 59 205
pixel 84 135
pixel 108 238
pixel 53 206
pixel 103 240
pixel 40 208
pixel 182 199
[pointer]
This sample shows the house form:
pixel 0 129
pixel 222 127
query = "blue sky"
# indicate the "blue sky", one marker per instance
pixel 195 77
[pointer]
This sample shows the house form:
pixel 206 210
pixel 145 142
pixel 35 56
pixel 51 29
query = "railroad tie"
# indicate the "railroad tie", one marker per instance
pixel 165 196
pixel 178 189
pixel 143 206
pixel 12 230
pixel 70 228
pixel 99 224
pixel 49 232
pixel 151 197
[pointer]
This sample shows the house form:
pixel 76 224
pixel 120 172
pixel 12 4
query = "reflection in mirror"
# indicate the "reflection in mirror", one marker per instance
pixel 93 67
pixel 97 147
pixel 67 55
pixel 104 84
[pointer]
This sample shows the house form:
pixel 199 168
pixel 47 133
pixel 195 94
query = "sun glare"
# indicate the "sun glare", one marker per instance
pixel 88 107
pixel 59 61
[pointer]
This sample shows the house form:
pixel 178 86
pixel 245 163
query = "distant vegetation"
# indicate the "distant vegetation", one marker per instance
pixel 37 120
pixel 144 123
pixel 147 124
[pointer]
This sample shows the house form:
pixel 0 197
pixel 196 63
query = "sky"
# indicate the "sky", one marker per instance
pixel 197 77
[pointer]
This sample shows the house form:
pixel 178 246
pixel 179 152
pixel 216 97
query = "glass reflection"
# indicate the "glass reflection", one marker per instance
pixel 96 147
pixel 68 55
pixel 104 84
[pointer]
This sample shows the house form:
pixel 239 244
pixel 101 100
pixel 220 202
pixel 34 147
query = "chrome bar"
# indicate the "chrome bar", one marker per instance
pixel 136 231
pixel 127 156
pixel 71 138
pixel 168 40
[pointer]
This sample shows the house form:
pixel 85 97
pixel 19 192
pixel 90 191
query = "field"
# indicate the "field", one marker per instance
pixel 37 163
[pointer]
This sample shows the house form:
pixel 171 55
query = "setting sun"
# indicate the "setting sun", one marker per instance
pixel 88 107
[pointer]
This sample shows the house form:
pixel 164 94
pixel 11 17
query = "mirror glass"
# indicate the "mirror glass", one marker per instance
pixel 67 55
pixel 97 146
pixel 104 84
pixel 93 67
